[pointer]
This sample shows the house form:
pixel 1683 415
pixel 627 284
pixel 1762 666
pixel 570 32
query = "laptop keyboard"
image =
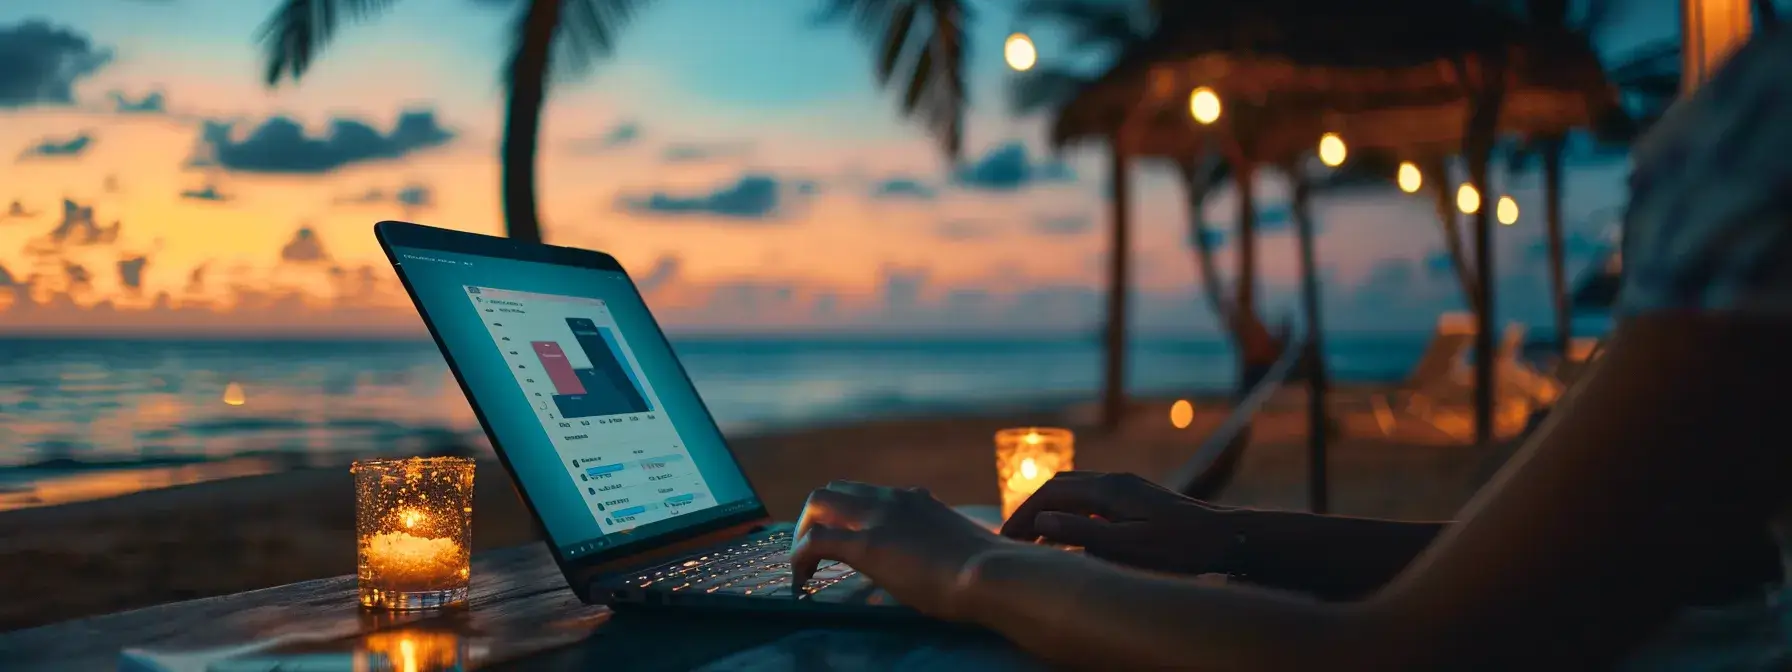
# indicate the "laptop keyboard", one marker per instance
pixel 759 566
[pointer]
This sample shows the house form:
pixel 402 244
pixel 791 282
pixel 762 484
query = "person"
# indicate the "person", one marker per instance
pixel 1599 533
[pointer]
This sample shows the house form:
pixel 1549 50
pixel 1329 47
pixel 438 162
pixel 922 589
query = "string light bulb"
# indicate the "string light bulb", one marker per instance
pixel 1467 199
pixel 1332 150
pixel 1506 211
pixel 1409 177
pixel 1204 105
pixel 1019 52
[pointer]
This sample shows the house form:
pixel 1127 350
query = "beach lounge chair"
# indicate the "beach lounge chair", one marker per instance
pixel 1444 361
pixel 1440 391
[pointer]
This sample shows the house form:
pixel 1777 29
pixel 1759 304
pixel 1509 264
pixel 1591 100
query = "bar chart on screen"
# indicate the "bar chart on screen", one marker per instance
pixel 574 364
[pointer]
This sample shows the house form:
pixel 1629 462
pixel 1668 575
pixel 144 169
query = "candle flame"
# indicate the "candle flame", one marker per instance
pixel 1029 469
pixel 411 517
pixel 1032 438
pixel 233 394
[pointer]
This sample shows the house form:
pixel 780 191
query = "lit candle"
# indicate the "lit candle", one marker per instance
pixel 413 519
pixel 406 562
pixel 1026 458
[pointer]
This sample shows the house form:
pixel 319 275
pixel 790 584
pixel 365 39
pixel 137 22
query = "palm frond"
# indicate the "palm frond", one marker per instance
pixel 588 29
pixel 299 29
pixel 1044 88
pixel 1091 23
pixel 922 43
pixel 1767 13
pixel 1598 15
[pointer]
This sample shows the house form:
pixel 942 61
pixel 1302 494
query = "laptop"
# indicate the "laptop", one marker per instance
pixel 618 460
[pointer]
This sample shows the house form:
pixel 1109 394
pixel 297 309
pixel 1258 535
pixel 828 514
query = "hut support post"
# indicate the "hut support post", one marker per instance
pixel 1486 97
pixel 1113 392
pixel 1317 420
pixel 1558 275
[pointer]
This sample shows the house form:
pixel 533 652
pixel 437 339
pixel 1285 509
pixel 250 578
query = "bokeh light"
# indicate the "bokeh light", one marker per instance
pixel 1506 211
pixel 1409 177
pixel 1332 150
pixel 1182 413
pixel 1204 105
pixel 1019 52
pixel 1467 199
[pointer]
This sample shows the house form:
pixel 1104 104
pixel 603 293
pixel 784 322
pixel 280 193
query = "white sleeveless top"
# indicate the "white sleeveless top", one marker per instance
pixel 1709 227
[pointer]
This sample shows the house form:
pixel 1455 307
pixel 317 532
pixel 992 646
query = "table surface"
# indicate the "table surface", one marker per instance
pixel 521 615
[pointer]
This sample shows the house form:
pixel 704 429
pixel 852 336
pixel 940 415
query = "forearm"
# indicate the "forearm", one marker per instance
pixel 1079 611
pixel 1330 557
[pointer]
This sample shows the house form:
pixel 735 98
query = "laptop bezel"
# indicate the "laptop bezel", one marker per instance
pixel 580 572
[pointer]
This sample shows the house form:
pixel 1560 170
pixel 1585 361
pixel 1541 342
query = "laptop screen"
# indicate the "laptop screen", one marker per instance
pixel 605 433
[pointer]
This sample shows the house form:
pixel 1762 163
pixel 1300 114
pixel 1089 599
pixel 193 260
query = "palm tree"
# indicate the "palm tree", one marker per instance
pixel 921 46
pixel 1093 25
pixel 1555 22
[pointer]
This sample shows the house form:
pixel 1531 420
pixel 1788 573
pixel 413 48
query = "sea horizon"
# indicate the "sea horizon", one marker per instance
pixel 165 411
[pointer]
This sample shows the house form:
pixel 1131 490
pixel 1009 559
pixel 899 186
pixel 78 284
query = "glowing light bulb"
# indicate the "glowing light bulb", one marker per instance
pixel 1467 199
pixel 1506 211
pixel 1204 105
pixel 233 394
pixel 1029 469
pixel 1182 413
pixel 1332 150
pixel 1409 177
pixel 1019 52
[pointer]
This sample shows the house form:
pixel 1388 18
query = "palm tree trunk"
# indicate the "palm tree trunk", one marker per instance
pixel 1194 185
pixel 1558 274
pixel 1113 393
pixel 1318 425
pixel 528 83
pixel 1445 203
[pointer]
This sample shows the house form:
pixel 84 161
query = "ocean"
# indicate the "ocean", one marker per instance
pixel 149 413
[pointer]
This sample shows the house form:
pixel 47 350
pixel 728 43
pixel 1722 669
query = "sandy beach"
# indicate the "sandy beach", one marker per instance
pixel 232 535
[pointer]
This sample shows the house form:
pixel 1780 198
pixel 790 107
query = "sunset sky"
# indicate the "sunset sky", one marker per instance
pixel 736 156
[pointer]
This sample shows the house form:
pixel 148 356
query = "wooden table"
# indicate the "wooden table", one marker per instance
pixel 521 616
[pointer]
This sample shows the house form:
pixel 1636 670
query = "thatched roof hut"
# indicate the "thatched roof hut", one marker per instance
pixel 1388 77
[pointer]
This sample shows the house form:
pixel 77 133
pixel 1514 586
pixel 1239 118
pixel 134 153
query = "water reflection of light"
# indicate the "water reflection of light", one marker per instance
pixel 413 651
pixel 51 490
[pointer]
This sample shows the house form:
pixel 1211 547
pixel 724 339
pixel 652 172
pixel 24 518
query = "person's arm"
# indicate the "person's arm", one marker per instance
pixel 1330 557
pixel 1591 537
pixel 1126 519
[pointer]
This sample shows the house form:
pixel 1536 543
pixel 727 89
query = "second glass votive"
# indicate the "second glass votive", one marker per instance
pixel 413 531
pixel 1027 457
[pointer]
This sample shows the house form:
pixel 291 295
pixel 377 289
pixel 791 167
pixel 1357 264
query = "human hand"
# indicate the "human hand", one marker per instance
pixel 1126 519
pixel 908 543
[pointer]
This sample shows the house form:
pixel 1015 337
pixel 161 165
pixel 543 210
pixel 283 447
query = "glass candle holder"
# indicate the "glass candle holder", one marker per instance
pixel 1027 457
pixel 414 531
